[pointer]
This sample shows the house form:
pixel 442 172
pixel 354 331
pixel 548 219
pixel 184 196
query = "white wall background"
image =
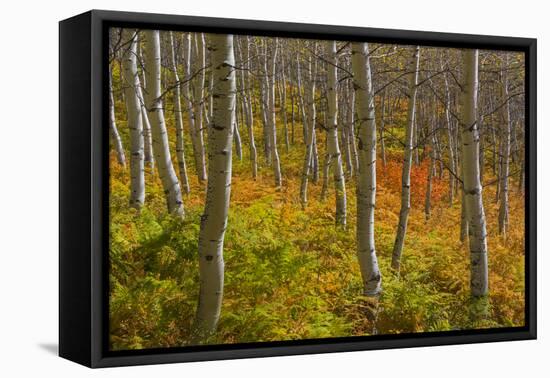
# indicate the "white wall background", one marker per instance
pixel 29 187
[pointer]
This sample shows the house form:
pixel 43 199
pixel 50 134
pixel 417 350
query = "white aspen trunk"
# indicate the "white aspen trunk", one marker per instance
pixel 198 105
pixel 147 137
pixel 271 70
pixel 115 136
pixel 264 100
pixel 133 107
pixel 180 149
pixel 153 102
pixel 326 173
pixel 311 117
pixel 315 160
pixel 345 136
pixel 301 105
pixel 472 185
pixel 333 147
pixel 431 169
pixel 505 140
pixel 415 143
pixel 188 101
pixel 450 139
pixel 214 219
pixel 407 162
pixel 382 127
pixel 366 175
pixel 351 132
pixel 237 140
pixel 210 95
pixel 463 218
pixel 245 80
pixel 282 102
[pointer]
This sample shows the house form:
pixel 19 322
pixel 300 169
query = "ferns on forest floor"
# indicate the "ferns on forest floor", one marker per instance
pixel 290 274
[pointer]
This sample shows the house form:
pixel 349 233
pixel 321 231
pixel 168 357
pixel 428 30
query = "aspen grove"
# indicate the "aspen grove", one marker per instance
pixel 267 189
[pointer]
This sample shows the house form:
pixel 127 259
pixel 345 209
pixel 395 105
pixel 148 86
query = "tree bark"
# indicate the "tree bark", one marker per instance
pixel 271 70
pixel 407 162
pixel 115 136
pixel 199 64
pixel 246 85
pixel 180 150
pixel 214 219
pixel 333 147
pixel 366 176
pixel 310 133
pixel 505 140
pixel 153 102
pixel 133 108
pixel 472 185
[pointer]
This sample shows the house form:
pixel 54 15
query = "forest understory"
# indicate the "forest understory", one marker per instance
pixel 291 273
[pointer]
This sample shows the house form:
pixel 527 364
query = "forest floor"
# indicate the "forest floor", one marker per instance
pixel 290 273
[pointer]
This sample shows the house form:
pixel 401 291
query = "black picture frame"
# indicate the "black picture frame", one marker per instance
pixel 83 181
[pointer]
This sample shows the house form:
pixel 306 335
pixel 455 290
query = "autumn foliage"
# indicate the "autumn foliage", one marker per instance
pixel 290 273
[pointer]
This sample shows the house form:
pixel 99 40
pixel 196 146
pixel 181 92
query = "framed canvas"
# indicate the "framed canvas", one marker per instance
pixel 236 188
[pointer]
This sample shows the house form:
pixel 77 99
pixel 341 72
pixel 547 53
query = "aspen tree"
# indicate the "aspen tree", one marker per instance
pixel 153 102
pixel 115 136
pixel 472 186
pixel 333 147
pixel 270 72
pixel 311 119
pixel 505 151
pixel 180 150
pixel 147 137
pixel 407 161
pixel 133 108
pixel 199 64
pixel 450 139
pixel 188 101
pixel 366 175
pixel 214 218
pixel 244 78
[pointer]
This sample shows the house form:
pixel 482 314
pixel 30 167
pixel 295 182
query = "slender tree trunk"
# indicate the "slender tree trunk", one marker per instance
pixel 147 136
pixel 407 162
pixel 198 105
pixel 345 135
pixel 292 102
pixel 153 102
pixel 431 169
pixel 247 85
pixel 382 127
pixel 472 185
pixel 505 140
pixel 311 117
pixel 351 132
pixel 149 156
pixel 237 140
pixel 282 100
pixel 264 102
pixel 271 69
pixel 333 148
pixel 133 107
pixel 301 105
pixel 196 134
pixel 326 173
pixel 180 150
pixel 366 176
pixel 115 136
pixel 214 219
pixel 452 180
